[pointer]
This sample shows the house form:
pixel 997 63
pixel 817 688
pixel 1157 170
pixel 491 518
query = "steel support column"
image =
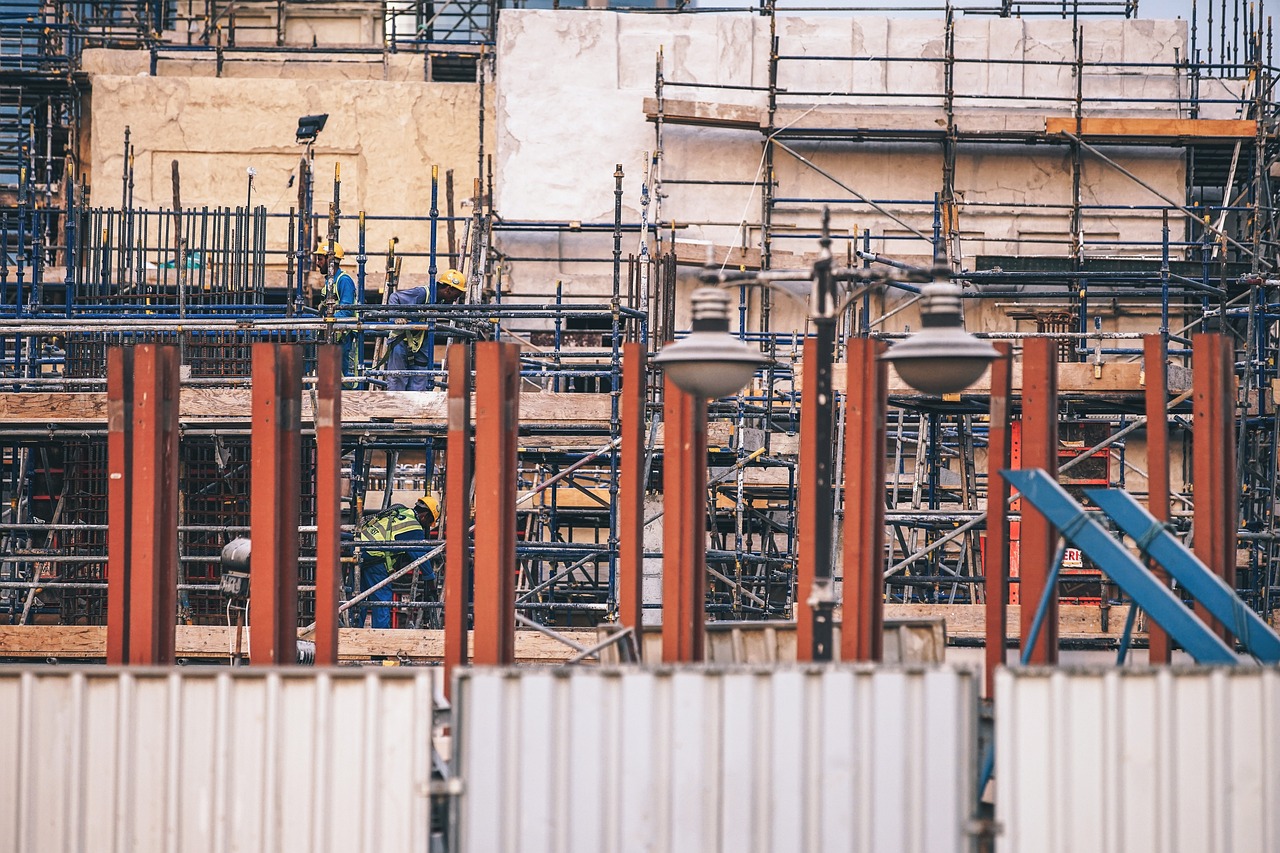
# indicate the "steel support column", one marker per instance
pixel 631 494
pixel 120 374
pixel 457 513
pixel 497 422
pixel 862 629
pixel 996 556
pixel 1039 451
pixel 273 502
pixel 684 534
pixel 328 422
pixel 1156 377
pixel 1213 468
pixel 142 484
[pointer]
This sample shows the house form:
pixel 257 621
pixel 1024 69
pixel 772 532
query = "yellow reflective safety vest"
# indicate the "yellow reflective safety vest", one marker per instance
pixel 387 527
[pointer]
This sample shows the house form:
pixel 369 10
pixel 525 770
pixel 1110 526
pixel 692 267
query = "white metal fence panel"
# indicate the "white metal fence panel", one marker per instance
pixel 737 760
pixel 192 760
pixel 1110 760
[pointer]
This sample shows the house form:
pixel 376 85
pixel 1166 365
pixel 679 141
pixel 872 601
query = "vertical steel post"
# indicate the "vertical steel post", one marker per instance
pixel 1213 469
pixel 631 495
pixel 142 572
pixel 273 501
pixel 996 557
pixel 807 520
pixel 497 420
pixel 684 533
pixel 1157 397
pixel 328 419
pixel 432 270
pixel 120 373
pixel 154 576
pixel 457 513
pixel 862 631
pixel 1039 450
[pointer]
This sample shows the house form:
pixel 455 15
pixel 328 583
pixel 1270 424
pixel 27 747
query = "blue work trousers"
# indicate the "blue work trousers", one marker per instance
pixel 350 359
pixel 373 572
pixel 401 359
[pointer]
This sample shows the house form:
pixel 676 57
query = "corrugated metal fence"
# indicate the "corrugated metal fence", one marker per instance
pixel 815 759
pixel 595 759
pixel 1110 760
pixel 100 759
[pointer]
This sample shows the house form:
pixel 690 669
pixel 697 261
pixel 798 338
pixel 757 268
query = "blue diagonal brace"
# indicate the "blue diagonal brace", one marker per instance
pixel 1044 493
pixel 1210 590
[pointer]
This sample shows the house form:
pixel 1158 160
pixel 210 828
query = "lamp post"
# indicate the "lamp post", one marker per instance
pixel 941 358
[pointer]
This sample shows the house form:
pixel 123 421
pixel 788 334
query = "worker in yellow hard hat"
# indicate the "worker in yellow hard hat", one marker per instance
pixel 339 290
pixel 407 351
pixel 402 526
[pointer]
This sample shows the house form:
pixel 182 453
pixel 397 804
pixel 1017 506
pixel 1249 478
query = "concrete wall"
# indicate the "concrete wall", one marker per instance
pixel 385 135
pixel 567 108
pixel 564 129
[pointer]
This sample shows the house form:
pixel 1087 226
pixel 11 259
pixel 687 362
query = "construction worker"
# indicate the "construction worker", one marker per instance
pixel 407 350
pixel 339 290
pixel 400 525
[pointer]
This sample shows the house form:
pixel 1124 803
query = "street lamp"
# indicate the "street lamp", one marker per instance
pixel 710 363
pixel 942 358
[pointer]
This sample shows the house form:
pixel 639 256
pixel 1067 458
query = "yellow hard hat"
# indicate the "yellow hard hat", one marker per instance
pixel 430 504
pixel 454 279
pixel 323 249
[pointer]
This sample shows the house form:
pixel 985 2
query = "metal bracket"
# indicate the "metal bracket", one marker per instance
pixel 1183 565
pixel 1047 496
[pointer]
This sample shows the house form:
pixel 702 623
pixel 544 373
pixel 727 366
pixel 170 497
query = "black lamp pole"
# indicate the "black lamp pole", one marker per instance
pixel 822 598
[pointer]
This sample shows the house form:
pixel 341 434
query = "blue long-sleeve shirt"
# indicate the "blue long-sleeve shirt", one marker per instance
pixel 342 287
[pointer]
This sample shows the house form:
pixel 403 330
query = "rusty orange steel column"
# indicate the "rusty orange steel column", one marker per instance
pixel 142 539
pixel 996 556
pixel 684 533
pixel 631 495
pixel 457 513
pixel 1213 468
pixel 1156 376
pixel 862 630
pixel 806 516
pixel 328 501
pixel 273 503
pixel 1039 450
pixel 497 422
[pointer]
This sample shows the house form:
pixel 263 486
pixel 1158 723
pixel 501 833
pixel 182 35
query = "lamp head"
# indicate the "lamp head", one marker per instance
pixel 941 358
pixel 710 363
pixel 310 126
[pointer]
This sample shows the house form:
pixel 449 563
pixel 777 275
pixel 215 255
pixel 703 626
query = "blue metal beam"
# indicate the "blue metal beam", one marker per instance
pixel 1075 525
pixel 1210 590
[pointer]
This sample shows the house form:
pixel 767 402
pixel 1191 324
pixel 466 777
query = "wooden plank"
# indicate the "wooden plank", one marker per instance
pixel 706 114
pixel 968 621
pixel 713 114
pixel 737 258
pixel 200 641
pixel 719 435
pixel 1201 128
pixel 963 621
pixel 1074 379
pixel 234 404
